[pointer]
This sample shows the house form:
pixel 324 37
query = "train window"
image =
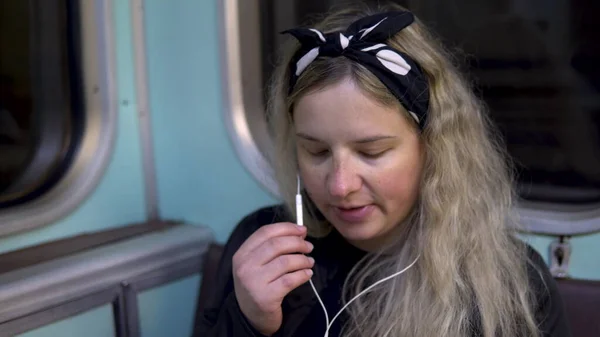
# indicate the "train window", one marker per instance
pixel 534 66
pixel 55 81
pixel 41 108
pixel 533 62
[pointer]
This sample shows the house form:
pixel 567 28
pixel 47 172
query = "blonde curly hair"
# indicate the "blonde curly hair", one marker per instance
pixel 472 270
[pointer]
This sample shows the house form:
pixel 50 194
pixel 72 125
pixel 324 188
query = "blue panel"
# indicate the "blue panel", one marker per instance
pixel 585 257
pixel 119 198
pixel 94 323
pixel 169 310
pixel 200 178
pixel 585 250
pixel 541 244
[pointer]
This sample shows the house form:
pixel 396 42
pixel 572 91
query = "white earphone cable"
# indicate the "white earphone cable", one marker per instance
pixel 365 291
pixel 300 222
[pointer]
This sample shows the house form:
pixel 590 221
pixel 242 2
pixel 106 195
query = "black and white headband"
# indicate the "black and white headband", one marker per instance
pixel 364 43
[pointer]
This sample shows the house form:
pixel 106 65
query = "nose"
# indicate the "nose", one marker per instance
pixel 343 179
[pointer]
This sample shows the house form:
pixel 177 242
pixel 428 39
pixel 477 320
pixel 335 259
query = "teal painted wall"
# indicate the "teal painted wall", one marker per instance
pixel 200 178
pixel 585 255
pixel 94 323
pixel 169 310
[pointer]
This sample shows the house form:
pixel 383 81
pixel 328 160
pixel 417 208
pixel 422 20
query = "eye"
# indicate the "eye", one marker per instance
pixel 318 153
pixel 314 150
pixel 372 154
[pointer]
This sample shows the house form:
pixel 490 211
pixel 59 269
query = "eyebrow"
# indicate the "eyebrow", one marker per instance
pixel 369 139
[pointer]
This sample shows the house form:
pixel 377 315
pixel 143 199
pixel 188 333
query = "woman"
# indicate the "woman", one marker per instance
pixel 399 169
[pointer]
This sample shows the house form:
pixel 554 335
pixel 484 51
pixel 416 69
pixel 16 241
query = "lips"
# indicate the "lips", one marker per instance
pixel 354 214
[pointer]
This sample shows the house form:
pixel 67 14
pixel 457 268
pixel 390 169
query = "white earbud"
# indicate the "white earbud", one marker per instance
pixel 299 218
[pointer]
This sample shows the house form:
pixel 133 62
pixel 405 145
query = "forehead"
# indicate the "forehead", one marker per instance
pixel 343 111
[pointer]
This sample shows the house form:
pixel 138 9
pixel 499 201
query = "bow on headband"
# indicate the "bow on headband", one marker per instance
pixel 364 43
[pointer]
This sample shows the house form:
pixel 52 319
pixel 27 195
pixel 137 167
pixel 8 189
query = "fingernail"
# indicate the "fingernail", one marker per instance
pixel 309 245
pixel 309 272
pixel 312 261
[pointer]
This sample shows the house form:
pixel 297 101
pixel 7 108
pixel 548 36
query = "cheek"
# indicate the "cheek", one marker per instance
pixel 399 185
pixel 312 180
pixel 399 189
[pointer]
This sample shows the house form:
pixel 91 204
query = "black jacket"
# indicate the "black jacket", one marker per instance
pixel 302 314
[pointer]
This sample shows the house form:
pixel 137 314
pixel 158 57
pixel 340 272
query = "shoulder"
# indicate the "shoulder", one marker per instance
pixel 263 216
pixel 256 219
pixel 267 215
pixel 540 279
pixel 548 306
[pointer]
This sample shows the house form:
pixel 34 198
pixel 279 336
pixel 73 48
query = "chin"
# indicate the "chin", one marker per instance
pixel 368 234
pixel 357 236
pixel 366 231
pixel 368 237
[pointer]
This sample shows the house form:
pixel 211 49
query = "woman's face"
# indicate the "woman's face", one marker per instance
pixel 360 162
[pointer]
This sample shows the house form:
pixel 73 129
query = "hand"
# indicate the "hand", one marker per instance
pixel 267 266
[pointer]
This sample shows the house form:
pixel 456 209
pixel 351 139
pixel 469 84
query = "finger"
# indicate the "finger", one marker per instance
pixel 281 286
pixel 277 246
pixel 285 264
pixel 270 231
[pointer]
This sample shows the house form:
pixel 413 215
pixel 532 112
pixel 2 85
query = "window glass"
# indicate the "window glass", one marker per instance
pixel 534 62
pixel 41 109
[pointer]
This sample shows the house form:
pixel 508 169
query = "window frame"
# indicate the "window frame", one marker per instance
pixel 244 117
pixel 241 83
pixel 93 151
